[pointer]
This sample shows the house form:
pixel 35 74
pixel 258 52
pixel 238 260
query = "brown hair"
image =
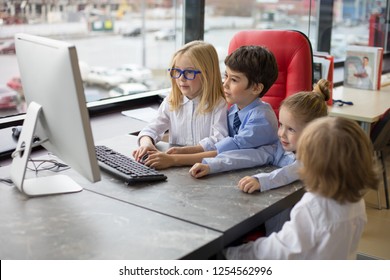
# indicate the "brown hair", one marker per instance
pixel 205 58
pixel 257 63
pixel 309 105
pixel 337 159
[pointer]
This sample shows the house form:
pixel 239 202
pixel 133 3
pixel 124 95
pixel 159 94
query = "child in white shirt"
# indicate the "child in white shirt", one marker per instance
pixel 195 110
pixel 337 168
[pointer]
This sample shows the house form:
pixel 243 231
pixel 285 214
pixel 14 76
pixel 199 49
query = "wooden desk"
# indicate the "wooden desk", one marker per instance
pixel 368 106
pixel 87 225
pixel 213 202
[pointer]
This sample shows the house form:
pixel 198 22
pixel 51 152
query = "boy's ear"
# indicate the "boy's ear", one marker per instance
pixel 257 88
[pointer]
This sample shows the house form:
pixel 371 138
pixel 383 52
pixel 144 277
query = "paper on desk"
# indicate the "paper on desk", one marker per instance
pixel 144 114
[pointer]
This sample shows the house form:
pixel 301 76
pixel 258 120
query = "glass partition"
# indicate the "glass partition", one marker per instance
pixel 132 41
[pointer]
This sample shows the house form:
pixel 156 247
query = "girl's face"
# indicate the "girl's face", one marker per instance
pixel 289 130
pixel 236 91
pixel 189 88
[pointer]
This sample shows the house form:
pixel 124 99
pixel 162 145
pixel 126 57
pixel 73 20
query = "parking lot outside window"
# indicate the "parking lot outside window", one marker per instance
pixel 145 34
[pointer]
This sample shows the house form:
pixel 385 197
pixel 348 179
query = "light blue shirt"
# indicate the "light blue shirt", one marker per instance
pixel 264 155
pixel 259 126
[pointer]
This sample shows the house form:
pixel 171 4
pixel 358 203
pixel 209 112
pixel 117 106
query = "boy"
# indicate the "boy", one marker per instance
pixel 250 72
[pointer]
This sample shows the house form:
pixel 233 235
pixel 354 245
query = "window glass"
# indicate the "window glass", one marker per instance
pixel 330 25
pixel 224 18
pixel 346 22
pixel 357 23
pixel 113 49
pixel 111 45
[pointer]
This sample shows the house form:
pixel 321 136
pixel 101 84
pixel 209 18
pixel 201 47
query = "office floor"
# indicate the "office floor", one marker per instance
pixel 375 242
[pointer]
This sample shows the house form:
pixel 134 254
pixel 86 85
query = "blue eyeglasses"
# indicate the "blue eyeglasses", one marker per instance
pixel 187 73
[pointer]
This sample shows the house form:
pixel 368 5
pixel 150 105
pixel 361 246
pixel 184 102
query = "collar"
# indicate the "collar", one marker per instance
pixel 246 109
pixel 196 100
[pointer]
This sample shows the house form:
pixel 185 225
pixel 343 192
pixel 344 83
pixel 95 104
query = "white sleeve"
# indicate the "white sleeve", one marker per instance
pixel 219 128
pixel 294 241
pixel 159 125
pixel 279 177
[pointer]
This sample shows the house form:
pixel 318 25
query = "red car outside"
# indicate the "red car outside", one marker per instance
pixel 15 83
pixel 8 98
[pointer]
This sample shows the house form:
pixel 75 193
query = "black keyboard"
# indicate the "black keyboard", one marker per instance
pixel 125 168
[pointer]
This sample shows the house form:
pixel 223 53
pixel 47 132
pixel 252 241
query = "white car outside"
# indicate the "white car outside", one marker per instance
pixel 133 73
pixel 127 89
pixel 103 77
pixel 165 34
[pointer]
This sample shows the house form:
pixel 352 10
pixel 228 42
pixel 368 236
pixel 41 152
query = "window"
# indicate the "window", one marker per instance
pixel 142 35
pixel 331 25
pixel 124 42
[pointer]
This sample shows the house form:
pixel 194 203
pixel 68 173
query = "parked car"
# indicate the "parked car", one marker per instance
pixel 133 73
pixel 8 98
pixel 7 47
pixel 102 77
pixel 134 32
pixel 127 89
pixel 15 83
pixel 84 69
pixel 165 34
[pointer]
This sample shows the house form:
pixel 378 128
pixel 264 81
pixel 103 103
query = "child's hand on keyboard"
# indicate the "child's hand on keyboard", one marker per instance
pixel 143 151
pixel 159 160
pixel 145 144
pixel 144 158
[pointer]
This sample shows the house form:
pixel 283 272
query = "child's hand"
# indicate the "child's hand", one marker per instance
pixel 159 160
pixel 143 150
pixel 185 150
pixel 249 184
pixel 199 170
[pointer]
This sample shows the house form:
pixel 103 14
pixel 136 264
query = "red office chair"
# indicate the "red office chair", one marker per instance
pixel 293 53
pixel 380 137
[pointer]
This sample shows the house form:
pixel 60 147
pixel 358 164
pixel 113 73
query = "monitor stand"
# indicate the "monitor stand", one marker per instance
pixel 37 186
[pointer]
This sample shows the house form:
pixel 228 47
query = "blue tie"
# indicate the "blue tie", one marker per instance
pixel 236 123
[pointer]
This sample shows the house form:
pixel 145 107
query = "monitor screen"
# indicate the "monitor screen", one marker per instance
pixel 53 88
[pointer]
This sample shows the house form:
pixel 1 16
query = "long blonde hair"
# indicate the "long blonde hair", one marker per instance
pixel 205 58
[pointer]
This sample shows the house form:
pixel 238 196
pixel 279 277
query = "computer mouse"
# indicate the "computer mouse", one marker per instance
pixel 16 131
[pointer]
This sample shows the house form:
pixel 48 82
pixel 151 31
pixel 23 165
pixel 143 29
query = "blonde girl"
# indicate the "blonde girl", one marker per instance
pixel 194 113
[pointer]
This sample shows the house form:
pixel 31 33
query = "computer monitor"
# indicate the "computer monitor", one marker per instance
pixel 56 114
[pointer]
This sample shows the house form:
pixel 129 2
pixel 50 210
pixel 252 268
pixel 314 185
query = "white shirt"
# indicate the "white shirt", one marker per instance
pixel 320 228
pixel 186 126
